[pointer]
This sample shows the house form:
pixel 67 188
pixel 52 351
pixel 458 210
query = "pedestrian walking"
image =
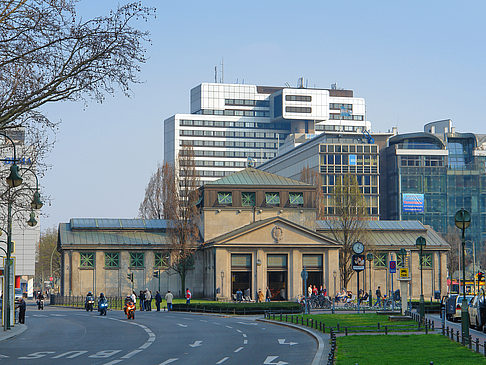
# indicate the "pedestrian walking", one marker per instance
pixel 261 297
pixel 148 300
pixel 142 300
pixel 168 299
pixel 378 296
pixel 188 296
pixel 158 299
pixel 22 308
pixel 309 291
pixel 134 298
pixel 268 295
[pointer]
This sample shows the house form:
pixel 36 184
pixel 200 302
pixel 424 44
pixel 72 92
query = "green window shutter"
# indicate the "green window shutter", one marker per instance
pixel 162 259
pixel 112 259
pixel 248 199
pixel 272 198
pixel 87 259
pixel 136 259
pixel 426 260
pixel 225 198
pixel 296 199
pixel 379 259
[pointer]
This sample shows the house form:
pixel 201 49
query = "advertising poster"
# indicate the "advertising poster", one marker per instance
pixel 413 203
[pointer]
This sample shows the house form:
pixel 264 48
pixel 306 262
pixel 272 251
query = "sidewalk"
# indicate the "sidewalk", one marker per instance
pixel 14 331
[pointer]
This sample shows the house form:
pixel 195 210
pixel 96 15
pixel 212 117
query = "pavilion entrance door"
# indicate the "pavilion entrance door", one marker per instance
pixel 277 276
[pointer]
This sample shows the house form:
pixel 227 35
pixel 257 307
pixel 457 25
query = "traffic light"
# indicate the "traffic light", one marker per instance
pixel 130 277
pixel 156 274
pixel 480 276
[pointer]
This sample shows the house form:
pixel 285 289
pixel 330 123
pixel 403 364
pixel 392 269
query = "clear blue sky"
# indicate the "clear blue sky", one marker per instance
pixel 413 62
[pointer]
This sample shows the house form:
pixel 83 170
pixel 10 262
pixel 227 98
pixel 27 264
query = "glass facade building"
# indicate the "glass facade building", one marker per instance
pixel 429 176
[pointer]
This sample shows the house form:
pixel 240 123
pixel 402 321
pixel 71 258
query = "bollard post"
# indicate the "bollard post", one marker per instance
pixel 426 329
pixel 457 336
pixel 484 347
pixel 337 325
pixel 378 325
pixel 307 322
pixel 470 342
pixel 477 344
pixel 280 317
pixel 386 330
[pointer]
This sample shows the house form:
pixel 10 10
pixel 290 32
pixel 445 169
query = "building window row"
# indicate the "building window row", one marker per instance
pixel 234 144
pixel 112 260
pixel 427 161
pixel 338 128
pixel 338 169
pixel 298 109
pixel 248 199
pixel 247 102
pixel 306 98
pixel 212 163
pixel 339 106
pixel 334 116
pixel 234 112
pixel 340 148
pixel 230 134
pixel 231 124
pixel 233 154
pixel 349 159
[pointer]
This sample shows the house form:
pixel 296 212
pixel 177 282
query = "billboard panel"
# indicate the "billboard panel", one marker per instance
pixel 413 203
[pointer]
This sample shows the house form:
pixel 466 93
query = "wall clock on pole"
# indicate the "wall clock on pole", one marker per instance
pixel 358 248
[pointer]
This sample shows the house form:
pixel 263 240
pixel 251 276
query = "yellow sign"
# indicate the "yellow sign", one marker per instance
pixel 404 272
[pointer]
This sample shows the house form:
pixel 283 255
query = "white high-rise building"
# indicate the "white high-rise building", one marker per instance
pixel 231 123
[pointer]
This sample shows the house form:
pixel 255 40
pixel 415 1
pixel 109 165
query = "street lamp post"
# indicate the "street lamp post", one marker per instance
pixel 463 220
pixel 14 180
pixel 369 257
pixel 421 242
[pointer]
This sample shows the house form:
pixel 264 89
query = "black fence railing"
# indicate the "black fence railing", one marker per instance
pixel 232 309
pixel 79 302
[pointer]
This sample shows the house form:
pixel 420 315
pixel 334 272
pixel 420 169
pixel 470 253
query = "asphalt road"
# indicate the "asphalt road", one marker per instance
pixel 60 336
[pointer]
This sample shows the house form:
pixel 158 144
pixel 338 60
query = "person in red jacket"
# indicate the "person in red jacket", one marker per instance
pixel 188 296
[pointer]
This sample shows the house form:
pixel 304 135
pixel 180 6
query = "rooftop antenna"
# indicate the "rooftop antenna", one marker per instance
pixel 334 86
pixel 215 74
pixel 300 83
pixel 222 70
pixel 287 84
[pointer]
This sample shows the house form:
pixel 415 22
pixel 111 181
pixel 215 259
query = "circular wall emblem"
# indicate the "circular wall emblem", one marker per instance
pixel 277 234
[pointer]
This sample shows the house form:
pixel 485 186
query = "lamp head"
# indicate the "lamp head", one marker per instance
pixel 402 251
pixel 32 222
pixel 14 179
pixel 369 256
pixel 462 218
pixel 421 241
pixel 36 202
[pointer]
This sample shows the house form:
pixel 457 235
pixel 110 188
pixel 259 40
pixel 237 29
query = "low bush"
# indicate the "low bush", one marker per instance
pixel 239 308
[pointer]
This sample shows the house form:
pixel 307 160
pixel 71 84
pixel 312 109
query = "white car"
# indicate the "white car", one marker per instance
pixel 457 316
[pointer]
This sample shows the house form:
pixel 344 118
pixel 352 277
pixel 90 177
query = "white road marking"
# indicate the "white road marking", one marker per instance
pixel 39 315
pixel 228 327
pixel 217 324
pixel 36 355
pixel 72 354
pixel 245 342
pixel 244 334
pixel 187 318
pixel 203 320
pixel 166 362
pixel 269 359
pixel 3 356
pixel 182 325
pixel 248 324
pixel 238 349
pixel 196 344
pixel 222 360
pixel 282 342
pixel 58 315
pixel 239 331
pixel 130 354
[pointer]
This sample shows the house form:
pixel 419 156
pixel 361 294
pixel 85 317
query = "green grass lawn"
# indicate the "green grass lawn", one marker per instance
pixel 403 349
pixel 367 319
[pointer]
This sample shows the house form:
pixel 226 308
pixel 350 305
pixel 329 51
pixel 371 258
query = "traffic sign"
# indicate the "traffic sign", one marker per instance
pixel 393 267
pixel 304 274
pixel 404 272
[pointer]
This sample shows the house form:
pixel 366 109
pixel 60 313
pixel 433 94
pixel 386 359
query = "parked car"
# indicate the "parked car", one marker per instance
pixel 456 316
pixel 477 312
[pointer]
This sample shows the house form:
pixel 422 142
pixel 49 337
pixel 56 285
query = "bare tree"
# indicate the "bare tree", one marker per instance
pixel 313 177
pixel 453 238
pixel 49 54
pixel 174 196
pixel 349 223
pixel 48 259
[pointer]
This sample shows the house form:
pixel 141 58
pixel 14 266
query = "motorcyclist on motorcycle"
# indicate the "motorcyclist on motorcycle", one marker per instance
pixel 89 302
pixel 40 301
pixel 129 308
pixel 102 304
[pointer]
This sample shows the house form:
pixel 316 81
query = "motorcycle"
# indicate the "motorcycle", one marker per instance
pixel 40 304
pixel 103 308
pixel 130 310
pixel 89 304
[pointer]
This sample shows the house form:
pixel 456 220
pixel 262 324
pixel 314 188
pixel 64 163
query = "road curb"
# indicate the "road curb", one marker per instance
pixel 16 330
pixel 320 357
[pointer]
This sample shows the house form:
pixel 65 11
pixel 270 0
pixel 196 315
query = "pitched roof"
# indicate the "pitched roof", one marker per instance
pixel 254 177
pixel 395 233
pixel 112 236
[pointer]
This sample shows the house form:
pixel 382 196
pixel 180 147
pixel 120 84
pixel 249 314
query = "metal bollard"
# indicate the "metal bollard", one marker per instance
pixel 386 330
pixel 457 336
pixel 477 344
pixel 470 342
pixel 346 331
